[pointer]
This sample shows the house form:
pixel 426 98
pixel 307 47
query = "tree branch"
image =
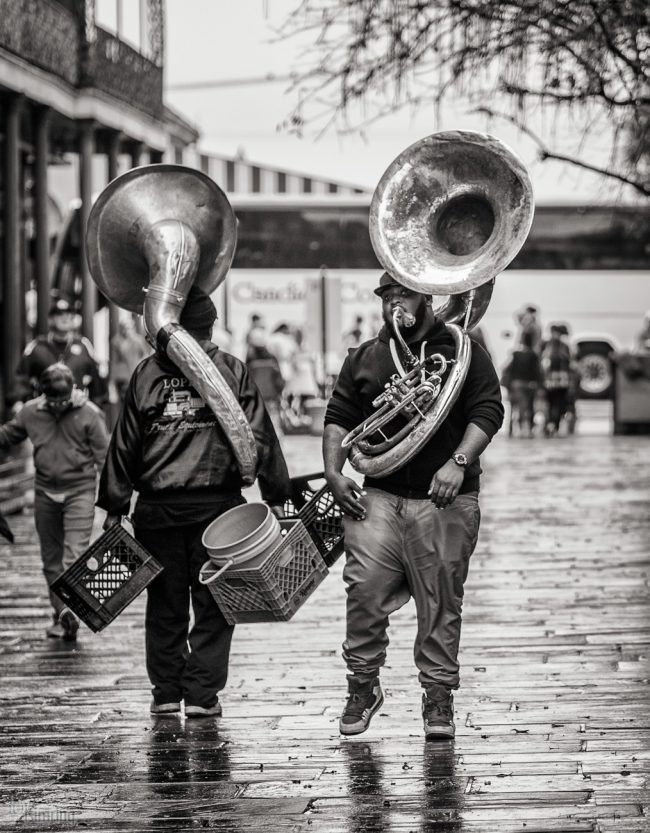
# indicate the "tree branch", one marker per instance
pixel 546 153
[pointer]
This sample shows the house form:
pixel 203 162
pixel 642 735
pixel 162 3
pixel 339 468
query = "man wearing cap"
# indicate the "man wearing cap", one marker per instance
pixel 169 447
pixel 69 437
pixel 61 344
pixel 412 532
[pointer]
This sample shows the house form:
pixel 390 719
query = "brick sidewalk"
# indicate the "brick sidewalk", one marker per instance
pixel 553 712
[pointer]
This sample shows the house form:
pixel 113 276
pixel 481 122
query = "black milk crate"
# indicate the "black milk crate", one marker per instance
pixel 273 590
pixel 112 572
pixel 320 513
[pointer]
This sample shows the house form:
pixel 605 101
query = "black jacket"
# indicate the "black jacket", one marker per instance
pixel 169 446
pixel 365 371
pixel 77 353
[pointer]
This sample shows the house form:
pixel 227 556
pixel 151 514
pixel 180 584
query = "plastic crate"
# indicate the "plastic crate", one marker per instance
pixel 320 513
pixel 112 572
pixel 273 590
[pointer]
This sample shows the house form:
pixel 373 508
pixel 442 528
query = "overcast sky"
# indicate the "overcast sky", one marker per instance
pixel 216 40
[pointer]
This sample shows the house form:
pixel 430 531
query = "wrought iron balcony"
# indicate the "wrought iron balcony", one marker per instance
pixel 62 38
pixel 44 33
pixel 116 68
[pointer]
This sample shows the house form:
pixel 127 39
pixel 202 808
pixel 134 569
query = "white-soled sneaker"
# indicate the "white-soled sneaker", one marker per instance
pixel 164 709
pixel 203 711
pixel 365 698
pixel 70 624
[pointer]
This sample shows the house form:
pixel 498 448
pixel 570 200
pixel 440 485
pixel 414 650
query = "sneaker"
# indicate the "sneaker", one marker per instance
pixel 203 711
pixel 438 712
pixel 70 624
pixel 164 709
pixel 364 699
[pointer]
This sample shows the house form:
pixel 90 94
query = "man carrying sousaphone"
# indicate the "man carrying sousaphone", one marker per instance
pixel 193 429
pixel 412 410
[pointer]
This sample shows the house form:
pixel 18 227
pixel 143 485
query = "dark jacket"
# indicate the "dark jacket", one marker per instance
pixel 168 445
pixel 76 353
pixel 68 449
pixel 362 378
pixel 265 371
pixel 524 366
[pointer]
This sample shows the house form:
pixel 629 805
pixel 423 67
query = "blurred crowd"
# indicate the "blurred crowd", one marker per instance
pixel 541 378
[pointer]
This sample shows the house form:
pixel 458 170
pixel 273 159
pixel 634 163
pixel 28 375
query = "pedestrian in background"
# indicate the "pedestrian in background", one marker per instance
pixel 61 344
pixel 303 385
pixel 265 372
pixel 522 378
pixel 528 321
pixel 556 367
pixel 129 347
pixel 642 340
pixel 70 440
pixel 282 344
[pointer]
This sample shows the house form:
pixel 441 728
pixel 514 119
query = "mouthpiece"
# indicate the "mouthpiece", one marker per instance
pixel 404 319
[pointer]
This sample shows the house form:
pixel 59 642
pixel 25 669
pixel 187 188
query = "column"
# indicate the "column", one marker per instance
pixel 42 253
pixel 13 302
pixel 137 152
pixel 114 146
pixel 89 292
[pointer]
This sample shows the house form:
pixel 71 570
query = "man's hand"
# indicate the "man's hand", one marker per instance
pixel 446 484
pixel 277 509
pixel 112 520
pixel 348 495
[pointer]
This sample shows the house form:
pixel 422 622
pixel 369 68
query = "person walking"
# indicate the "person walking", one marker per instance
pixel 522 377
pixel 61 344
pixel 265 372
pixel 129 347
pixel 70 440
pixel 397 544
pixel 556 366
pixel 169 447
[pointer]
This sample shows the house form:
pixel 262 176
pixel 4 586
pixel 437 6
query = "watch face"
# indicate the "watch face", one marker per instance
pixel 460 459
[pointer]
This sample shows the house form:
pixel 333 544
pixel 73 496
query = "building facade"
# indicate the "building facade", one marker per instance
pixel 80 80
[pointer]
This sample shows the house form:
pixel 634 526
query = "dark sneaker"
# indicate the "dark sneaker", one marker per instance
pixel 70 624
pixel 164 709
pixel 203 711
pixel 438 712
pixel 364 699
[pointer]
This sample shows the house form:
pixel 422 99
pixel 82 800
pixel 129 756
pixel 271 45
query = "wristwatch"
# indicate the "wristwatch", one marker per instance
pixel 460 459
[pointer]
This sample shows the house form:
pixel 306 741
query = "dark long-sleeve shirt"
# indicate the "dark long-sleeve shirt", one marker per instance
pixel 365 371
pixel 170 448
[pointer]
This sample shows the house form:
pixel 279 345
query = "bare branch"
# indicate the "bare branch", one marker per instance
pixel 546 153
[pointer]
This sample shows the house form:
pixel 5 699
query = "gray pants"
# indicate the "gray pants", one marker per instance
pixel 64 531
pixel 403 548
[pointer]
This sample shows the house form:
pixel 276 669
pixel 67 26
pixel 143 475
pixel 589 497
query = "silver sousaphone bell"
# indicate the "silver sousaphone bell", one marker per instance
pixel 448 215
pixel 152 233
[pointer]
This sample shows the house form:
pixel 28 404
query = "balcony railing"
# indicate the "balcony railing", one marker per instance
pixel 116 68
pixel 44 33
pixel 49 35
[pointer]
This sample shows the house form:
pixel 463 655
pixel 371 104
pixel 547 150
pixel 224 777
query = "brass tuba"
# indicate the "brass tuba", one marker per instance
pixel 448 215
pixel 152 233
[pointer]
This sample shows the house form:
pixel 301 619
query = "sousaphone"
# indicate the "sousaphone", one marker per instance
pixel 154 232
pixel 448 215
